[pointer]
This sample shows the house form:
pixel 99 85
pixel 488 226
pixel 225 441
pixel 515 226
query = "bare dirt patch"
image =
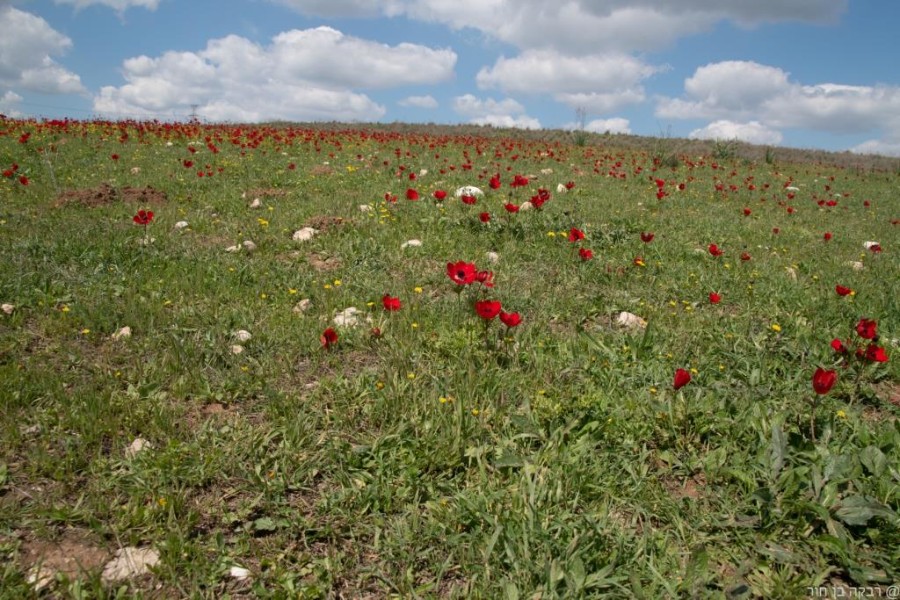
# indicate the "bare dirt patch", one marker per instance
pixel 322 262
pixel 323 222
pixel 73 554
pixel 690 487
pixel 105 194
pixel 321 170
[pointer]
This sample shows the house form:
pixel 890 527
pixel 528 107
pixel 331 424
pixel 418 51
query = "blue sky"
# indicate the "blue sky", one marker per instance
pixel 801 73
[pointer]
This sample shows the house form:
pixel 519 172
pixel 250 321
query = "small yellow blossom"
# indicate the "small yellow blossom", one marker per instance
pixel 415 325
pixel 840 414
pixel 653 390
pixel 370 304
pixel 475 412
pixel 292 291
pixel 417 290
pixel 65 308
pixel 551 234
pixel 379 385
pixel 727 265
pixel 776 327
pixel 694 371
pixel 410 375
pixel 162 502
pixel 327 286
pixel 85 331
pixel 262 222
pixel 337 283
pixel 263 295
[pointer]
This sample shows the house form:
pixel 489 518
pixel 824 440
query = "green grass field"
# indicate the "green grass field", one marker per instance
pixel 429 452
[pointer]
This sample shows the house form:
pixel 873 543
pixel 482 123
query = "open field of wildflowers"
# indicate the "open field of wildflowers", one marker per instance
pixel 277 361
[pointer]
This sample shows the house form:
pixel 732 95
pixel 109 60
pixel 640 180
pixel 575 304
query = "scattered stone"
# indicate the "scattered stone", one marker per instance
pixel 366 208
pixel 547 171
pixel 561 188
pixel 302 306
pixel 631 321
pixel 232 249
pixel 237 349
pixel 7 308
pixel 305 234
pixel 248 245
pixel 130 562
pixel 239 573
pixel 122 333
pixel 856 265
pixel 525 206
pixel 256 203
pixel 492 257
pixel 181 224
pixel 135 170
pixel 136 447
pixel 242 335
pixel 792 188
pixel 30 430
pixel 469 190
pixel 792 273
pixel 349 317
pixel 423 172
pixel 411 243
pixel 40 577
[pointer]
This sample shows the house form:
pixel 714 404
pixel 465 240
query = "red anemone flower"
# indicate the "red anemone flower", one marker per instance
pixel 647 237
pixel 827 236
pixel 487 309
pixel 510 319
pixel 876 353
pixel 511 208
pixel 575 235
pixel 715 250
pixel 867 329
pixel 485 278
pixel 842 291
pixel 585 254
pixel 569 185
pixel 390 303
pixel 485 217
pixel 412 194
pixel 143 217
pixel 747 212
pixel 461 272
pixel 468 199
pixel 838 346
pixel 823 380
pixel 682 378
pixel 745 256
pixel 495 182
pixel 329 338
pixel 440 194
pixel 714 298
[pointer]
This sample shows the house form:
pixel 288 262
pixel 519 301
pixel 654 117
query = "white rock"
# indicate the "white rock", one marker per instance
pixel 305 234
pixel 792 188
pixel 239 573
pixel 349 317
pixel 122 333
pixel 792 273
pixel 423 172
pixel 868 245
pixel 7 308
pixel 411 243
pixel 256 203
pixel 492 257
pixel 136 447
pixel 525 206
pixel 30 430
pixel 40 577
pixel 303 305
pixel 242 335
pixel 856 265
pixel 561 188
pixel 631 321
pixel 469 190
pixel 130 562
pixel 366 208
pixel 547 171
pixel 237 349
pixel 232 249
pixel 248 245
pixel 181 224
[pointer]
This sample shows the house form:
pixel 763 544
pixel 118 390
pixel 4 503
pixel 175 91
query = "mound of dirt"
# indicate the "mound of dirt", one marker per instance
pixel 106 194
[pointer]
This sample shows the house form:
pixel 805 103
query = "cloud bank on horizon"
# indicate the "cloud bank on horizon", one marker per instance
pixel 506 63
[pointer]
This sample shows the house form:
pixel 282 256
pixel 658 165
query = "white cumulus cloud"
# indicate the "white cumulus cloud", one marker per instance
pixel 312 74
pixel 737 94
pixel 752 132
pixel 614 125
pixel 419 102
pixel 27 46
pixel 499 113
pixel 8 103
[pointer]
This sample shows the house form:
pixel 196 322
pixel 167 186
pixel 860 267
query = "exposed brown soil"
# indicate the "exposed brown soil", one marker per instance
pixel 321 262
pixel 72 554
pixel 105 194
pixel 323 222
pixel 266 193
